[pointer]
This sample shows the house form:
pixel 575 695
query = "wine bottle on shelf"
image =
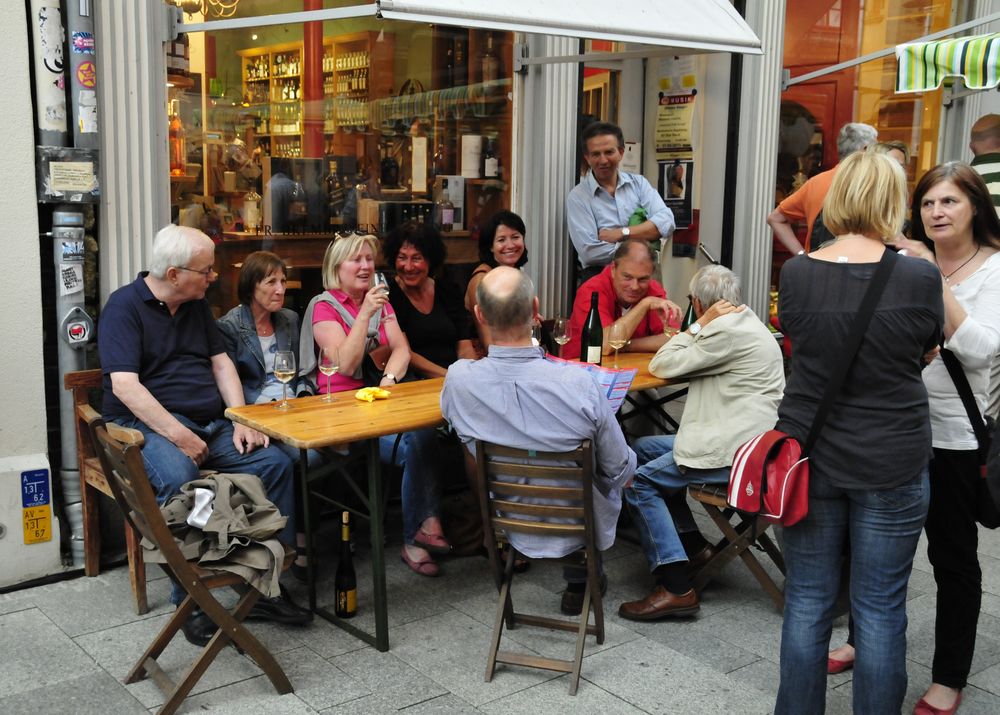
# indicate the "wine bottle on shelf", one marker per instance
pixel 444 210
pixel 689 316
pixel 345 583
pixel 491 64
pixel 491 165
pixel 461 60
pixel 592 337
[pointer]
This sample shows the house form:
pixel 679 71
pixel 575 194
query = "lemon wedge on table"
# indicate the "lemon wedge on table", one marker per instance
pixel 370 394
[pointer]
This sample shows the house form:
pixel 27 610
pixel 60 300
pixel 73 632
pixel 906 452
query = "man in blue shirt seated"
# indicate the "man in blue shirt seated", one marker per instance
pixel 515 397
pixel 598 209
pixel 166 374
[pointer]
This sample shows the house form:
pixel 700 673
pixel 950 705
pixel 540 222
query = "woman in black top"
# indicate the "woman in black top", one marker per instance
pixel 429 311
pixel 868 469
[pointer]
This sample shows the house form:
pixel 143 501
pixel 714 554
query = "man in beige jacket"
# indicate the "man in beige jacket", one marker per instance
pixel 736 379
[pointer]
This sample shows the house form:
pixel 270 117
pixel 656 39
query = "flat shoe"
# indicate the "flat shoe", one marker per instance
pixel 198 629
pixel 834 666
pixel 571 602
pixel 698 560
pixel 660 604
pixel 434 543
pixel 520 565
pixel 925 708
pixel 424 568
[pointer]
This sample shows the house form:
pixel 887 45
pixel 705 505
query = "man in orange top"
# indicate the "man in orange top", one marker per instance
pixel 806 203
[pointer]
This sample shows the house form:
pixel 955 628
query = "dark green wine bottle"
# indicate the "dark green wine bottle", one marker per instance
pixel 592 338
pixel 689 316
pixel 345 583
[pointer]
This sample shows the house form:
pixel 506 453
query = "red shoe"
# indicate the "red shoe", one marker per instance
pixel 834 666
pixel 433 543
pixel 427 567
pixel 925 708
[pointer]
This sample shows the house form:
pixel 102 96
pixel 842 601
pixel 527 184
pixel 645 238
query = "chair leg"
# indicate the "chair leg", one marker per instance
pixel 136 570
pixel 90 504
pixel 503 602
pixel 161 641
pixel 581 638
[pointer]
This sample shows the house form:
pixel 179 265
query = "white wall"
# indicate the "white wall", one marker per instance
pixel 22 425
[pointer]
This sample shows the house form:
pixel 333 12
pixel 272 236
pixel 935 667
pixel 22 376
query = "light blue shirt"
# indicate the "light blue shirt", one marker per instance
pixel 589 208
pixel 517 398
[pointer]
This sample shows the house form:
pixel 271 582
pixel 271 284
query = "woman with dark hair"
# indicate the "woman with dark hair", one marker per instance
pixel 501 243
pixel 260 326
pixel 953 214
pixel 254 331
pixel 429 311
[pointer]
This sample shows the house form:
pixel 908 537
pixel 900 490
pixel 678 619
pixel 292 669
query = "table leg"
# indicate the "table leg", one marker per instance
pixel 376 515
pixel 307 527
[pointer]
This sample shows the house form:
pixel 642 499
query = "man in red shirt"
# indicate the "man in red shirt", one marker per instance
pixel 806 203
pixel 627 294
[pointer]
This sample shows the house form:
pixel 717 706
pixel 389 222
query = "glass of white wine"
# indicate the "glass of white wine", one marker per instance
pixel 284 370
pixel 561 333
pixel 329 364
pixel 617 339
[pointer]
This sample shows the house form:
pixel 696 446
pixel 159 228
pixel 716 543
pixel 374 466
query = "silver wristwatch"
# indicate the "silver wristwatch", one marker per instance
pixel 390 376
pixel 695 328
pixel 626 232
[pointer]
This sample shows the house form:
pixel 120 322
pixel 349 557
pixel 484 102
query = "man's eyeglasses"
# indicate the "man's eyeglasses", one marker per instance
pixel 207 272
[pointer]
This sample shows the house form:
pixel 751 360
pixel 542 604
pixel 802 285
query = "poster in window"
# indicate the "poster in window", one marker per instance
pixel 676 179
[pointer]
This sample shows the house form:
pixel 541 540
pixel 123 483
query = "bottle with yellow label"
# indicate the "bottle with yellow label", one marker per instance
pixel 345 583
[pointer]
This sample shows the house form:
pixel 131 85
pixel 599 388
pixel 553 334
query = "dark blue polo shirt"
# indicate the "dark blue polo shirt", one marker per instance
pixel 172 354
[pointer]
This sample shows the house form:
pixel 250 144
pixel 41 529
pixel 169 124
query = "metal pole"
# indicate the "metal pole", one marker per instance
pixel 48 41
pixel 82 81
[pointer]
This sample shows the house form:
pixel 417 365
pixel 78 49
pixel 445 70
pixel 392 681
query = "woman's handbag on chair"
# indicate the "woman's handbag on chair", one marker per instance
pixel 770 473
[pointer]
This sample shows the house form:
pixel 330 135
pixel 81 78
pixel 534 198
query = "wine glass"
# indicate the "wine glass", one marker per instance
pixel 329 364
pixel 617 339
pixel 536 333
pixel 561 333
pixel 284 370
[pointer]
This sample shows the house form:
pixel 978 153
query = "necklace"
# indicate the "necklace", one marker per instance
pixel 947 278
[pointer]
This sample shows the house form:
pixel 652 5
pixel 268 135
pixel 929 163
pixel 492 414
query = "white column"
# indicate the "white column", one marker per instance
pixel 132 95
pixel 758 151
pixel 545 132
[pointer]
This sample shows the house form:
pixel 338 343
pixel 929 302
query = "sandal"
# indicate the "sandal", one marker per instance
pixel 434 543
pixel 520 564
pixel 424 568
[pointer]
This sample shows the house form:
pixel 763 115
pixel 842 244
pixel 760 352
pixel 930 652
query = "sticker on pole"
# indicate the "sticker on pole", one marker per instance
pixel 36 507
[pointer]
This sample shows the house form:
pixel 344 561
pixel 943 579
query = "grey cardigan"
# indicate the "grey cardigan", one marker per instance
pixel 243 346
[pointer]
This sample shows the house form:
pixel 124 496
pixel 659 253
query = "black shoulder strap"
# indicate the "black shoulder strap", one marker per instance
pixel 853 342
pixel 968 399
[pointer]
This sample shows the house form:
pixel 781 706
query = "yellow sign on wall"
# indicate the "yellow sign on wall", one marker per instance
pixel 37 524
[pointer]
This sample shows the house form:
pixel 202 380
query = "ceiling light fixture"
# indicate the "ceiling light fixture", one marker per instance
pixel 217 8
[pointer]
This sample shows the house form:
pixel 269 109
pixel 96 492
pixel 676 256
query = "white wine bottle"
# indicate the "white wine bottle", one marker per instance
pixel 345 583
pixel 592 338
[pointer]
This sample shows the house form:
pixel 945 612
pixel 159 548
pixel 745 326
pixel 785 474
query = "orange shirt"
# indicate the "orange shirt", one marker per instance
pixel 805 204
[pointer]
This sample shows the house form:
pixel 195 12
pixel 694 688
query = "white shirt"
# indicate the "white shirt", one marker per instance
pixel 975 344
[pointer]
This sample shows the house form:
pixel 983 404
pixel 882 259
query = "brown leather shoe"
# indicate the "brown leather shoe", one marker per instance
pixel 698 560
pixel 659 604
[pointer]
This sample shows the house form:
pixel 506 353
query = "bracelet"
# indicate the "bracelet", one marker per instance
pixel 390 376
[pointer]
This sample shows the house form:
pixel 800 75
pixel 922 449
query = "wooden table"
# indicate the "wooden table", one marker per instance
pixel 311 423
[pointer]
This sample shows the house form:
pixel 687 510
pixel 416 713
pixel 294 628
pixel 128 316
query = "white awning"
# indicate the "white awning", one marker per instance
pixel 701 25
pixel 686 25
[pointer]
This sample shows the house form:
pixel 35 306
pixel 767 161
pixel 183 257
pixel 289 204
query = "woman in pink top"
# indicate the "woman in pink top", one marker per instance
pixel 348 276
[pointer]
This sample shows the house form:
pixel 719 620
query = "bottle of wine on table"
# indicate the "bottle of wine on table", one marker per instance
pixel 689 317
pixel 345 583
pixel 592 337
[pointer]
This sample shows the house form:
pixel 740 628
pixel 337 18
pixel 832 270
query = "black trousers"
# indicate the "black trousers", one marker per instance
pixel 952 543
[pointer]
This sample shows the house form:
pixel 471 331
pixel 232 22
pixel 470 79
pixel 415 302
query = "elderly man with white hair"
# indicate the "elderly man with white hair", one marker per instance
pixel 167 374
pixel 736 378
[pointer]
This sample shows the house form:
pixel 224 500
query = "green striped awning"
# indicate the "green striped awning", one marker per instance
pixel 923 66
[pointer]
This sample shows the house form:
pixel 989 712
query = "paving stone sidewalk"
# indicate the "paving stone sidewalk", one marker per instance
pixel 66 647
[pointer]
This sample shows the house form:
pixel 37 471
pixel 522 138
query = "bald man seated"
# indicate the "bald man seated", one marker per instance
pixel 517 398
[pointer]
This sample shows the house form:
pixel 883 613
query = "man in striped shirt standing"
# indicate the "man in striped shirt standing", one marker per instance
pixel 984 141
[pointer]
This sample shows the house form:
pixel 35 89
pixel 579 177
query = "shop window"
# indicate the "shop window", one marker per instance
pixel 284 135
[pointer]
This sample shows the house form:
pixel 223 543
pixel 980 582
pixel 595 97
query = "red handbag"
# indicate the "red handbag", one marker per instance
pixel 770 473
pixel 770 477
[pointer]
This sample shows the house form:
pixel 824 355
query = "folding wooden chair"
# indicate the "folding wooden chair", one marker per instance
pixel 737 538
pixel 129 483
pixel 511 482
pixel 93 483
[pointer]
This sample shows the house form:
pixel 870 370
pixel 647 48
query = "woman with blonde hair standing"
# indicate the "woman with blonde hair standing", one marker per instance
pixel 861 488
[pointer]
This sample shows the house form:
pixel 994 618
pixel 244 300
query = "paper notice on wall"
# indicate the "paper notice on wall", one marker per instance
pixel 676 178
pixel 70 278
pixel 632 159
pixel 70 176
pixel 673 126
pixel 87 111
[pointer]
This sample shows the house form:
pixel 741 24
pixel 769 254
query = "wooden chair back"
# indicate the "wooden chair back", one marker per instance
pixel 547 494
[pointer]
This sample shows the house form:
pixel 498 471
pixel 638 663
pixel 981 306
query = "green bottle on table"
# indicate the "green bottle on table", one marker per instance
pixel 689 316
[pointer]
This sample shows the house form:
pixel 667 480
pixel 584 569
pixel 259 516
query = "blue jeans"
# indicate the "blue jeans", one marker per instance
pixel 658 518
pixel 169 468
pixel 415 455
pixel 884 526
